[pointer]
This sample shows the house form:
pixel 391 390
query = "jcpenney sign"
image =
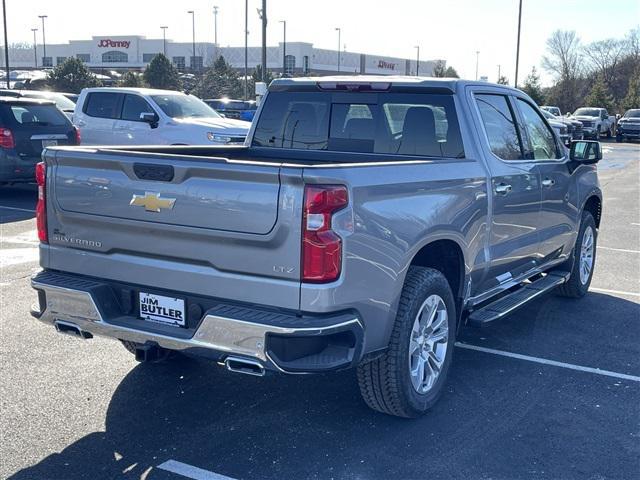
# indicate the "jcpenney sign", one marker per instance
pixel 386 65
pixel 108 43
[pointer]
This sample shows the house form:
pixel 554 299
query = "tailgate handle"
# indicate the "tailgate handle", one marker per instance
pixel 156 173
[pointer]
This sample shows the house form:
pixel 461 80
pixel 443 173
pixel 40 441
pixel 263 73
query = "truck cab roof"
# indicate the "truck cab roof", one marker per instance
pixel 381 83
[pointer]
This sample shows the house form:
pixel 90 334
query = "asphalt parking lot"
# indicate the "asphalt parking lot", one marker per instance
pixel 553 392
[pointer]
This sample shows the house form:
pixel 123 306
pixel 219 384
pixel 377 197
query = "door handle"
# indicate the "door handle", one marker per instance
pixel 503 189
pixel 548 182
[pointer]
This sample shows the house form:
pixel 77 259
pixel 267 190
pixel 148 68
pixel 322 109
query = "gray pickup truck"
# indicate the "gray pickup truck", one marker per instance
pixel 365 221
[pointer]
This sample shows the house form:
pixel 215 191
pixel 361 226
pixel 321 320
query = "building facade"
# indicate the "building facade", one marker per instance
pixel 134 52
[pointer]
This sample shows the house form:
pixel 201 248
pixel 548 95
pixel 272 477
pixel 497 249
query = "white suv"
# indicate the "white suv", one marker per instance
pixel 144 116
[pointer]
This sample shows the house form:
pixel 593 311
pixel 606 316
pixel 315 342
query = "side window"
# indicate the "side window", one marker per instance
pixel 133 106
pixel 102 105
pixel 541 137
pixel 500 126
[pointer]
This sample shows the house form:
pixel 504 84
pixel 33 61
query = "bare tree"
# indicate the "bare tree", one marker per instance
pixel 633 44
pixel 605 55
pixel 563 55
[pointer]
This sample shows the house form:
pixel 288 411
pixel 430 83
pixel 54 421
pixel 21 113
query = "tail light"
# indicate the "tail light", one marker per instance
pixel 78 137
pixel 321 246
pixel 41 206
pixel 6 138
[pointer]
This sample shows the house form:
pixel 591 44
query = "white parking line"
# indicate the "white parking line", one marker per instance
pixel 618 249
pixel 190 471
pixel 553 363
pixel 616 292
pixel 18 209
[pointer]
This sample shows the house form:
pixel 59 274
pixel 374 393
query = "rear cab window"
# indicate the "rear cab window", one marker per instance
pixel 103 105
pixel 392 123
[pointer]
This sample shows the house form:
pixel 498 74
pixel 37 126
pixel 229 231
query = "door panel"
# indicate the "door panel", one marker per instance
pixel 556 224
pixel 516 193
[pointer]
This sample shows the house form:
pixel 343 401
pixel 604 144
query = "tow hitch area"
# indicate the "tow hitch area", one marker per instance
pixel 151 353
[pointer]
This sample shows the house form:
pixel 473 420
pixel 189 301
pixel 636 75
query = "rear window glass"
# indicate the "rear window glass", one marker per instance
pixel 421 124
pixel 39 115
pixel 102 105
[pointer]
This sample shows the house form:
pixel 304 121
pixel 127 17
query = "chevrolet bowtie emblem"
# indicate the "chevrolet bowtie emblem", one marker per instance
pixel 152 202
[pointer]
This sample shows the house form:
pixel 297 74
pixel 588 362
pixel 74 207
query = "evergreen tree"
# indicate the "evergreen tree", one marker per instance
pixel 451 72
pixel 440 69
pixel 71 76
pixel 130 79
pixel 221 80
pixel 599 96
pixel 632 99
pixel 533 88
pixel 160 73
pixel 503 80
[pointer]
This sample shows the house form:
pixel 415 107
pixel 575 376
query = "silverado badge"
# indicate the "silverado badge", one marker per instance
pixel 152 202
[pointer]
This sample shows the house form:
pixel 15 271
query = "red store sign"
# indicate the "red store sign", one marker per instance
pixel 108 43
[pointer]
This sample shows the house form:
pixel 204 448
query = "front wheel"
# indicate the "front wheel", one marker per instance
pixel 584 259
pixel 409 377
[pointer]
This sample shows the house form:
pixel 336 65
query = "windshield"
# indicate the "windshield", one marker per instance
pixel 184 106
pixel 587 112
pixel 632 114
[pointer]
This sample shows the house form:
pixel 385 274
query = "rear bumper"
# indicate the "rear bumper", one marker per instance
pixel 17 169
pixel 282 342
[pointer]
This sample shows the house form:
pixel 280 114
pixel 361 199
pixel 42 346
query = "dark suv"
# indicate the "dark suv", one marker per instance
pixel 26 127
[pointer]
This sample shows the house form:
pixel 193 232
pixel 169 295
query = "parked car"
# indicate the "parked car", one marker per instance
pixel 239 109
pixel 26 126
pixel 629 125
pixel 561 128
pixel 555 111
pixel 356 228
pixel 143 116
pixel 573 127
pixel 595 122
pixel 60 99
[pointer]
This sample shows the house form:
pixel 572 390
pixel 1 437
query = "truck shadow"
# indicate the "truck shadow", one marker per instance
pixel 318 427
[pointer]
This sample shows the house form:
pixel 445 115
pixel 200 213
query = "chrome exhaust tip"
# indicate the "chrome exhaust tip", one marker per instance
pixel 243 365
pixel 69 328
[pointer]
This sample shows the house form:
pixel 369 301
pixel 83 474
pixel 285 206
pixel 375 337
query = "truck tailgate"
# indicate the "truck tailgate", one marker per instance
pixel 155 218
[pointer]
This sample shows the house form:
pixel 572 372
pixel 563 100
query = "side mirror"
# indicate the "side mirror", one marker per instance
pixel 150 118
pixel 585 151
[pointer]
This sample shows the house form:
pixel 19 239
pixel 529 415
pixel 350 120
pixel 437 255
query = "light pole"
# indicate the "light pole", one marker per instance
pixel 44 40
pixel 215 25
pixel 515 82
pixel 339 30
pixel 284 46
pixel 6 42
pixel 499 75
pixel 417 47
pixel 264 40
pixel 477 60
pixel 193 38
pixel 246 49
pixel 164 40
pixel 35 48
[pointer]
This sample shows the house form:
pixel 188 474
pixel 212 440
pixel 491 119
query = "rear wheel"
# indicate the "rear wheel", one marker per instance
pixel 610 132
pixel 409 377
pixel 584 260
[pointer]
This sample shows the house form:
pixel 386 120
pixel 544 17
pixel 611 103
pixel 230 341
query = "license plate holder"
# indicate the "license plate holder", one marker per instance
pixel 162 309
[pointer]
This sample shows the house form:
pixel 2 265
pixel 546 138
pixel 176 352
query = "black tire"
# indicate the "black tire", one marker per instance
pixel 385 382
pixel 619 139
pixel 575 287
pixel 609 133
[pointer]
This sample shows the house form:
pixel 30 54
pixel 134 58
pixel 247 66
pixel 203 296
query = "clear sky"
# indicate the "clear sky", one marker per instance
pixel 452 30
